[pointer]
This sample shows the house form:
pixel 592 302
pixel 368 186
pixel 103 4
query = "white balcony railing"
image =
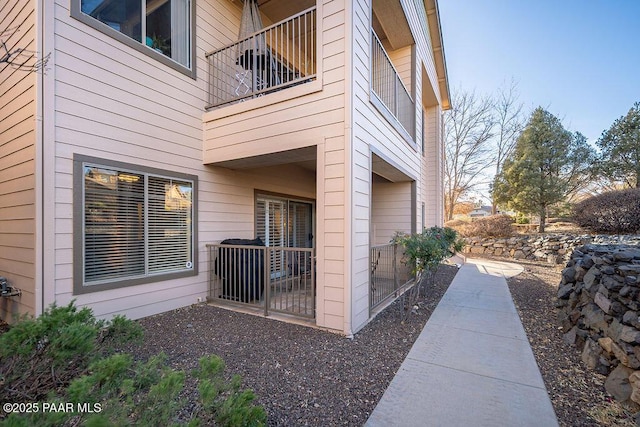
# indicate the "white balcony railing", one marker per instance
pixel 279 56
pixel 389 88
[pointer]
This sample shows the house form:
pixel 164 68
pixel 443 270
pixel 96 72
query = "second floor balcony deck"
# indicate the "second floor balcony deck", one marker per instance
pixel 279 56
pixel 387 86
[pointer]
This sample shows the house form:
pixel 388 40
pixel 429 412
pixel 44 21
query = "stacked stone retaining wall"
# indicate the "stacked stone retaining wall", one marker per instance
pixel 552 248
pixel 599 307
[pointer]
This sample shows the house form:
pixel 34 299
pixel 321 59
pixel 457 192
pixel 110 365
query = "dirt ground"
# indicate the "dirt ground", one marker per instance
pixel 577 393
pixel 306 376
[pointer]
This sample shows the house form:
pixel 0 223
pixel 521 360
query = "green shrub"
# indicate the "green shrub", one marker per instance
pixel 38 355
pixel 522 219
pixel 67 357
pixel 614 212
pixel 491 226
pixel 425 251
pixel 236 408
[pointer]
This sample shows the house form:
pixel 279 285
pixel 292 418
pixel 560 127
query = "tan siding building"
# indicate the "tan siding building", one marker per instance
pixel 159 131
pixel 18 159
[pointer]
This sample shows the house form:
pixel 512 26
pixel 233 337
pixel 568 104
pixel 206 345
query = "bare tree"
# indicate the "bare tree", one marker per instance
pixel 468 133
pixel 20 58
pixel 509 122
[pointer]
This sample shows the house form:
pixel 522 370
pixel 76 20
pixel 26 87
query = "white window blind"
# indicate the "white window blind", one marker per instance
pixel 135 224
pixel 169 224
pixel 271 217
pixel 284 222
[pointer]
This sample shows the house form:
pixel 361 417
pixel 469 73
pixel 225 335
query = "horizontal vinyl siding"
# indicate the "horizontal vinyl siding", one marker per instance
pixel 333 240
pixel 432 170
pixel 390 210
pixel 401 59
pixel 362 162
pixel 430 189
pixel 116 103
pixel 17 162
pixel 293 123
pixel 371 132
pixel 315 119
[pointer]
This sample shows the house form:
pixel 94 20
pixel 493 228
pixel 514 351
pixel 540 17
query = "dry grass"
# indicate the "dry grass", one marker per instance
pixel 612 414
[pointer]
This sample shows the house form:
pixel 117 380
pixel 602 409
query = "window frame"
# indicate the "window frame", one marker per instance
pixel 76 12
pixel 79 286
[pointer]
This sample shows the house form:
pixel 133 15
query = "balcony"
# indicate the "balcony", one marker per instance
pixel 280 56
pixel 388 88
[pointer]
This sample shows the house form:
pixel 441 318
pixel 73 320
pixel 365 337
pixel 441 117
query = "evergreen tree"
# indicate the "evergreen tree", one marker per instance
pixel 620 149
pixel 547 165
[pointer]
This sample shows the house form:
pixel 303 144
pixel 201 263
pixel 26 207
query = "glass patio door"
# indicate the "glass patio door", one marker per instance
pixel 282 222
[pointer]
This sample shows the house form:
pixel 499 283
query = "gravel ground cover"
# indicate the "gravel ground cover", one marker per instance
pixel 301 375
pixel 305 376
pixel 577 394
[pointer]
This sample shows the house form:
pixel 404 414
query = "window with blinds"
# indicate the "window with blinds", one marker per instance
pixel 135 224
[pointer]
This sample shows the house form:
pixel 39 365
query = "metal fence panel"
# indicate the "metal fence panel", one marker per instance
pixel 388 274
pixel 276 279
pixel 389 88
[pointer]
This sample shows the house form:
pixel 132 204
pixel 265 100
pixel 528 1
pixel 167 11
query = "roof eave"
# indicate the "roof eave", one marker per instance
pixel 437 44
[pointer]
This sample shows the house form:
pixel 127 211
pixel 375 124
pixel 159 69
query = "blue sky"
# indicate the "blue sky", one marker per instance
pixel 579 59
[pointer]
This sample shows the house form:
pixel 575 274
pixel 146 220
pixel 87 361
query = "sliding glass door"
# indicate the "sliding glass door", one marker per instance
pixel 283 222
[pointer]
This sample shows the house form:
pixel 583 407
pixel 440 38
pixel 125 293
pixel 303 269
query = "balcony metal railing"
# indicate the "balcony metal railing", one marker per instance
pixel 388 274
pixel 279 56
pixel 389 88
pixel 275 279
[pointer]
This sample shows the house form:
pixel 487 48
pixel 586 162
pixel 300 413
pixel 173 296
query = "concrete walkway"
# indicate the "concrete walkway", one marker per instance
pixel 472 365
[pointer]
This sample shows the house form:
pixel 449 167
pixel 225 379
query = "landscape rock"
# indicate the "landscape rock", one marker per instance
pixel 631 318
pixel 630 335
pixel 591 353
pixel 568 275
pixel 606 344
pixel 593 317
pixel 603 302
pixel 601 294
pixel 565 291
pixel 570 337
pixel 617 383
pixel 592 277
pixel 634 380
pixel 554 248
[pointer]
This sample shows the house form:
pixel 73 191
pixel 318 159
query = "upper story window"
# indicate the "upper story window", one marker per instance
pixel 160 28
